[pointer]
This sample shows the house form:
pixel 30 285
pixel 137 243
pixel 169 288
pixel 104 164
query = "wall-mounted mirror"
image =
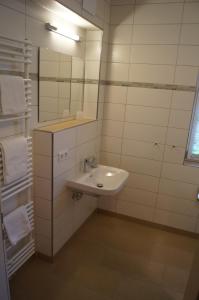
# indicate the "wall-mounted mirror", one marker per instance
pixel 68 85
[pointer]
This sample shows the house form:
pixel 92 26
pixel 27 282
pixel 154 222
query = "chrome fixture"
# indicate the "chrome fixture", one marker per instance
pixel 70 35
pixel 89 163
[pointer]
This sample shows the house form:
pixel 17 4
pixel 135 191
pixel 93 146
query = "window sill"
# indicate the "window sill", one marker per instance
pixel 191 163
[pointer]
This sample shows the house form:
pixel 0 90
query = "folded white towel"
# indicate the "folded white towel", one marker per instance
pixel 12 94
pixel 17 225
pixel 14 158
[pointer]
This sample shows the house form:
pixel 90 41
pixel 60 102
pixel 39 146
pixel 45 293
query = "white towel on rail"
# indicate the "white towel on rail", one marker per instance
pixel 12 94
pixel 14 158
pixel 17 225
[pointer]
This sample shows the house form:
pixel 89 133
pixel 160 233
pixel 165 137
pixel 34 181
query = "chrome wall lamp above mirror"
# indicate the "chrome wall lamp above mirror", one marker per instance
pixel 69 35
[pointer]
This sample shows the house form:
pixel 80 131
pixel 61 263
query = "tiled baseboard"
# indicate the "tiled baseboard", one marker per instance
pixel 148 223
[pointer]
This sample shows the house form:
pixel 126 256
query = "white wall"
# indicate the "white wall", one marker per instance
pixel 20 19
pixel 154 45
pixel 28 19
pixel 58 216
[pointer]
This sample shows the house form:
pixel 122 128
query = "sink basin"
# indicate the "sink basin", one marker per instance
pixel 102 180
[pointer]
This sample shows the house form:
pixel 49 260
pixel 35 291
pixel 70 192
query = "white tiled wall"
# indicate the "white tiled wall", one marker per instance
pixel 28 19
pixel 145 130
pixel 55 207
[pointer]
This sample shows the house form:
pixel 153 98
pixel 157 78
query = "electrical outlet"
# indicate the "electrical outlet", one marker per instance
pixel 63 155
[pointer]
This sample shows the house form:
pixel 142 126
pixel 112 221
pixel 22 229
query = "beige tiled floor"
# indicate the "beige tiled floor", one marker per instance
pixel 110 259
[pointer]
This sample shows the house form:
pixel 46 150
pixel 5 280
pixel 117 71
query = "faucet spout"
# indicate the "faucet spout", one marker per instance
pixel 89 163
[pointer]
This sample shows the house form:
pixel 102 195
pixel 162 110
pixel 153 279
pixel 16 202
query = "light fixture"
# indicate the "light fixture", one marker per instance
pixel 70 35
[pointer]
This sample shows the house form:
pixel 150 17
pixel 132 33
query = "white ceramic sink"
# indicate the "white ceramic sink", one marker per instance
pixel 102 180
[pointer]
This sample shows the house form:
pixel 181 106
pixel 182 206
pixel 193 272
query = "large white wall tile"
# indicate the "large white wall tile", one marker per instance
pixel 111 144
pixel 17 29
pixel 43 166
pixel 156 34
pixel 59 182
pixel 151 73
pixel 42 188
pixel 154 54
pixel 122 14
pixel 92 70
pixel 178 189
pixel 142 149
pixel 186 75
pixel 14 4
pixel 175 220
pixel 174 154
pixel 64 140
pixel 144 182
pixel 191 12
pixel 86 132
pixel 177 137
pixel 158 13
pixel 120 34
pixel 141 165
pixel 119 53
pixel 114 112
pixel 111 159
pixel 115 94
pixel 112 128
pixel 135 210
pixel 149 97
pixel 48 89
pixel 93 50
pixel 147 115
pixel 90 92
pixel 182 100
pixel 189 34
pixel 117 71
pixel 42 208
pixel 42 143
pixel 138 196
pixel 188 55
pixel 182 173
pixel 146 133
pixel 43 244
pixel 43 226
pixel 178 205
pixel 107 203
pixel 180 119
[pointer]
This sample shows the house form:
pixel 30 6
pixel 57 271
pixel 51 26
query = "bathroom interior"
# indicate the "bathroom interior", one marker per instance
pixel 99 149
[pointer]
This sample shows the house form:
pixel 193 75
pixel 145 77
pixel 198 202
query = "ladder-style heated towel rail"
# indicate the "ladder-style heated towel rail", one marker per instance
pixel 15 58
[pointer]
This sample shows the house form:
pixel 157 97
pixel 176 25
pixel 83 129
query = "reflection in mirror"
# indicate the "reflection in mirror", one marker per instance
pixel 68 85
pixel 54 85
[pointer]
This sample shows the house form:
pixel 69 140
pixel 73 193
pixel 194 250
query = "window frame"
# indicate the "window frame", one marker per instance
pixel 189 156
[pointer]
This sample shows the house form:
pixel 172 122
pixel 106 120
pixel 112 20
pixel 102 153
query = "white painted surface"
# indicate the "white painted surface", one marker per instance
pixel 4 286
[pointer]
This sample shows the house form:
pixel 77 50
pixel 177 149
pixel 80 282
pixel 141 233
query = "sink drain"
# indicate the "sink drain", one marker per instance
pixel 100 185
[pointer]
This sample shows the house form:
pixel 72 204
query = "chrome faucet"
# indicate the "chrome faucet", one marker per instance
pixel 89 162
